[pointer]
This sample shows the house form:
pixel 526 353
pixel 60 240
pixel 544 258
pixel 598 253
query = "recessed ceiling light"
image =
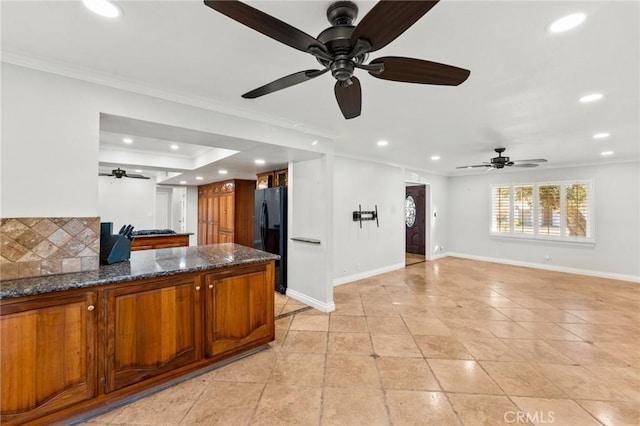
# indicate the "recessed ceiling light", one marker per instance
pixel 606 153
pixel 591 97
pixel 382 143
pixel 127 140
pixel 314 143
pixel 138 171
pixel 183 182
pixel 174 146
pixel 259 161
pixel 199 178
pixel 566 23
pixel 222 172
pixel 104 8
pixel 601 135
pixel 435 157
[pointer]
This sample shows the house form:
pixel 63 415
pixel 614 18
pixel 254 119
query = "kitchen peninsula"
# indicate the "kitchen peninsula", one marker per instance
pixel 77 342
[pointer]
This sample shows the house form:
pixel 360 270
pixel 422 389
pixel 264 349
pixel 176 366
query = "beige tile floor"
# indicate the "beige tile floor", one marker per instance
pixel 447 342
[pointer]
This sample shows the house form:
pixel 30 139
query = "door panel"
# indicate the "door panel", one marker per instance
pixel 226 213
pixel 415 232
pixel 238 309
pixel 152 328
pixel 48 355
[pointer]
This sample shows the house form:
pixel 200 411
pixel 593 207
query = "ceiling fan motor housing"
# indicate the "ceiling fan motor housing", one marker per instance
pixel 499 162
pixel 337 40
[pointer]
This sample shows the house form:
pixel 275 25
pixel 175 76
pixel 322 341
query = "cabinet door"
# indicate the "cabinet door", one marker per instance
pixel 225 237
pixel 214 203
pixel 226 212
pixel 151 328
pixel 48 357
pixel 239 309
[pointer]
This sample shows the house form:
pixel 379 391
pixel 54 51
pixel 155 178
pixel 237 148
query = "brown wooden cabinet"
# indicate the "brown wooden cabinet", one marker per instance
pixel 151 328
pixel 48 357
pixel 159 241
pixel 226 212
pixel 238 309
pixel 272 179
pixel 67 353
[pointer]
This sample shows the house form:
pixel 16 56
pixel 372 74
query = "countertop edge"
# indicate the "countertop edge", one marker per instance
pixel 13 289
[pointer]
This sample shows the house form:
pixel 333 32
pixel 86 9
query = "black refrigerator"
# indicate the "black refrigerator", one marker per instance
pixel 271 229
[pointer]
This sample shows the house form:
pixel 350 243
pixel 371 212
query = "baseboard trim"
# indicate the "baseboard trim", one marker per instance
pixel 439 256
pixel 555 268
pixel 366 274
pixel 310 301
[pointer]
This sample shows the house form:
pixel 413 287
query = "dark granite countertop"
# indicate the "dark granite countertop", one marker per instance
pixel 143 264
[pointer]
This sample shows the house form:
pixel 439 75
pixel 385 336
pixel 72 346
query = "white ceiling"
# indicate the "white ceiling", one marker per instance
pixel 522 93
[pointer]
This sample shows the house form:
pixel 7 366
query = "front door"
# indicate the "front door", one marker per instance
pixel 415 219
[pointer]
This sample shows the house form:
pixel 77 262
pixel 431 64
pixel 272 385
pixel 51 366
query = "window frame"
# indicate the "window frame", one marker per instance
pixel 536 235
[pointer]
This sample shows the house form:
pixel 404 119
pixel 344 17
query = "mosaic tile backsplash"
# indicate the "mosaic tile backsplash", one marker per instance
pixel 37 246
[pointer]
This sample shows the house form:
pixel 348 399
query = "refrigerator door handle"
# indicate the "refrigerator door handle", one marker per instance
pixel 264 220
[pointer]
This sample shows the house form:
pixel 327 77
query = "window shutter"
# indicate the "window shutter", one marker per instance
pixel 500 209
pixel 577 210
pixel 549 217
pixel 523 209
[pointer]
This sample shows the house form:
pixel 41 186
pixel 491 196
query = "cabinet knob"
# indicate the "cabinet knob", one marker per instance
pixel 197 287
pixel 210 285
pixel 90 308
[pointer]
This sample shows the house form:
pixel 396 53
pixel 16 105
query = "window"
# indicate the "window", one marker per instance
pixel 501 218
pixel 522 209
pixel 550 211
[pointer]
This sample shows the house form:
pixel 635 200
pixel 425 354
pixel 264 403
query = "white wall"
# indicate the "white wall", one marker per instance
pixel 49 146
pixel 359 253
pixel 126 201
pixel 192 214
pixel 616 219
pixel 50 131
pixel 309 205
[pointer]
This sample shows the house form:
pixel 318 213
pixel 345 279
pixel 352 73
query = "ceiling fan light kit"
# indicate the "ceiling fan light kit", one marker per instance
pixel 342 48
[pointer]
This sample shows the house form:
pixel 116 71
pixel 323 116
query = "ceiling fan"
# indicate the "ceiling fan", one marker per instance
pixel 119 174
pixel 501 162
pixel 344 47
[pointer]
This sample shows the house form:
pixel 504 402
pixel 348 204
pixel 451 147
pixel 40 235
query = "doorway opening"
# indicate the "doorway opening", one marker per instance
pixel 416 207
pixel 171 208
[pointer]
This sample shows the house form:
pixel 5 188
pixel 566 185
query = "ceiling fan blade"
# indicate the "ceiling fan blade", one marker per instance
pixel 535 160
pixel 349 98
pixel 474 166
pixel 410 70
pixel 524 165
pixel 284 82
pixel 105 174
pixel 387 20
pixel 137 177
pixel 265 24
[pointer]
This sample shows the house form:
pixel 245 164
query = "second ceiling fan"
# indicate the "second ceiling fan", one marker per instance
pixel 344 47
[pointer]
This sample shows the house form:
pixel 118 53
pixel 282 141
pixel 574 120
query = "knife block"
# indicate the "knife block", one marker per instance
pixel 113 248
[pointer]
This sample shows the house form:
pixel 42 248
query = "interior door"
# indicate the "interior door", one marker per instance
pixel 415 219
